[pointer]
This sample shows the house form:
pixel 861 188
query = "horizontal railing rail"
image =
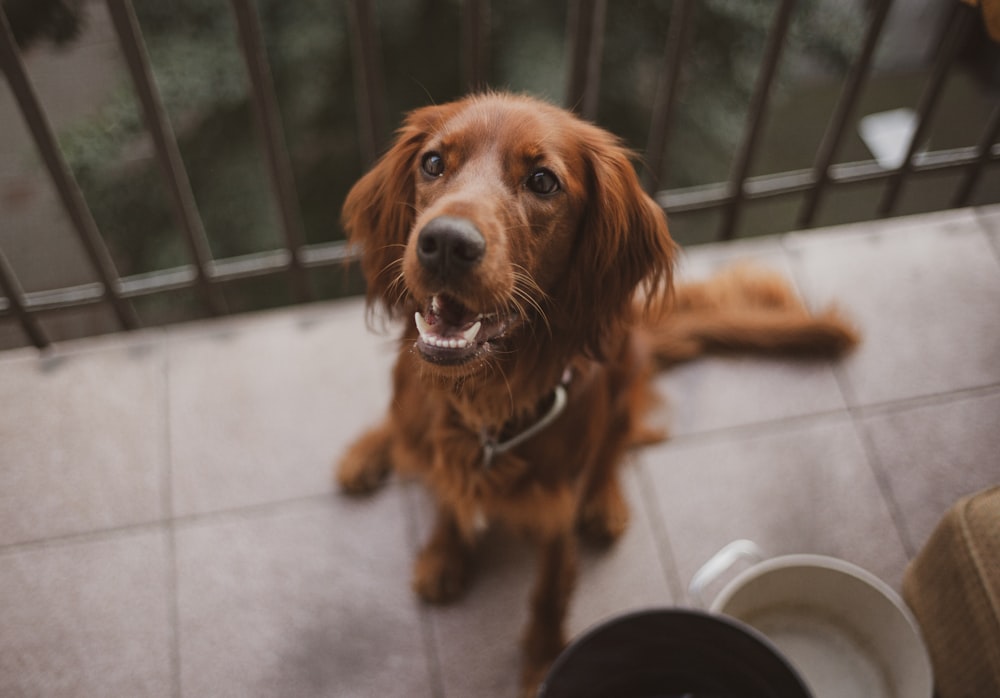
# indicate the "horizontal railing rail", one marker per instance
pixel 586 26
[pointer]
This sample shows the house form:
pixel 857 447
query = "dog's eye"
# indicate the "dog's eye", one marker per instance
pixel 542 181
pixel 433 164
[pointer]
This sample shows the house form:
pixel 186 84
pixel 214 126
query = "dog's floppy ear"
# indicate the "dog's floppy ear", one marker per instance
pixel 379 210
pixel 623 244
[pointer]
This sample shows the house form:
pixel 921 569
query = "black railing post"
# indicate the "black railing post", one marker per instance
pixel 678 37
pixel 368 83
pixel 958 30
pixel 842 112
pixel 279 164
pixel 14 294
pixel 62 177
pixel 585 27
pixel 755 118
pixel 475 44
pixel 983 152
pixel 167 153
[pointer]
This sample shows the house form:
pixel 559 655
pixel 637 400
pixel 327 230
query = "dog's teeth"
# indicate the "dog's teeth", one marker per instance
pixel 435 305
pixel 422 327
pixel 428 336
pixel 444 342
pixel 470 334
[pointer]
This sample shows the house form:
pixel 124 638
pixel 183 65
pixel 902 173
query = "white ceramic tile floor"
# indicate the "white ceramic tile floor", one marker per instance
pixel 168 525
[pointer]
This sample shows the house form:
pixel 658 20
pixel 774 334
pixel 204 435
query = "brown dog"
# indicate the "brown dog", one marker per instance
pixel 514 239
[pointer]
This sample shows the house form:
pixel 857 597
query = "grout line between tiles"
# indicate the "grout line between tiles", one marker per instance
pixel 427 629
pixel 259 509
pixel 167 494
pixel 992 241
pixel 753 429
pixel 96 536
pixel 861 413
pixel 750 429
pixel 847 392
pixel 794 260
pixel 885 487
pixel 429 641
pixel 658 526
pixel 918 401
pixel 222 515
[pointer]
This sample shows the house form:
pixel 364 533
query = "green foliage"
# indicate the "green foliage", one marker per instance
pixel 202 80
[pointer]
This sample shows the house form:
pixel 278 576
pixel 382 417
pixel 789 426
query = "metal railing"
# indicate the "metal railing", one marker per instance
pixel 585 27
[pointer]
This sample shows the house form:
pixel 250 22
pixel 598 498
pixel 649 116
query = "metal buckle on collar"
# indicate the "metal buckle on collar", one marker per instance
pixel 492 448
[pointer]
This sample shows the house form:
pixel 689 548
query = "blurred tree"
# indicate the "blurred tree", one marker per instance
pixel 200 73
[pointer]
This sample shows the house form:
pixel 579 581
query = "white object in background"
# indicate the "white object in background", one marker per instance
pixel 888 134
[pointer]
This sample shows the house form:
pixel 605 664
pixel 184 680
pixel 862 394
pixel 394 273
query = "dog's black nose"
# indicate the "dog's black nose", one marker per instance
pixel 448 245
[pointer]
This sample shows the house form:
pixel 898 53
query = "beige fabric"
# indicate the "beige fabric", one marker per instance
pixel 953 587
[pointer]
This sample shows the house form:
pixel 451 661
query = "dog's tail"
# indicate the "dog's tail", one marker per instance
pixel 745 309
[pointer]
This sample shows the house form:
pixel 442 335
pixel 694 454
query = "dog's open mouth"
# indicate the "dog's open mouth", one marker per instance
pixel 451 333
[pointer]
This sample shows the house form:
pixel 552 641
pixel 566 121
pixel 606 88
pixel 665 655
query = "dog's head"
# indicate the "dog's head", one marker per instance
pixel 501 218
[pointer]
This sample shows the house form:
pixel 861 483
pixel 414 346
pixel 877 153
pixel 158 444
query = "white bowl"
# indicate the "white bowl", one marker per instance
pixel 845 630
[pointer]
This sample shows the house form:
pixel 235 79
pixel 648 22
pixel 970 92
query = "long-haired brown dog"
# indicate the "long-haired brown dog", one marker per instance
pixel 534 276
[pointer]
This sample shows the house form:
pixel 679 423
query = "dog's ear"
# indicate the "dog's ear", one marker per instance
pixel 623 245
pixel 379 210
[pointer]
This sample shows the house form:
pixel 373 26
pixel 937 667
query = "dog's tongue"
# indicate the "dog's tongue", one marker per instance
pixel 446 323
pixel 450 312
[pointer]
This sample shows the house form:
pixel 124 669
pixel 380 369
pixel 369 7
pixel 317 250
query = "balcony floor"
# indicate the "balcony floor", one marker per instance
pixel 168 525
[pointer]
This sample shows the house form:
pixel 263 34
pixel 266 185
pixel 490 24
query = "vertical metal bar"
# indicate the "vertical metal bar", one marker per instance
pixel 845 106
pixel 368 82
pixel 983 150
pixel 167 153
pixel 66 186
pixel 678 35
pixel 475 44
pixel 586 32
pixel 269 119
pixel 12 290
pixel 757 108
pixel 958 29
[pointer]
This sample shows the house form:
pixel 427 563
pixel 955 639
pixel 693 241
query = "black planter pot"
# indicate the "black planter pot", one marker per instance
pixel 672 653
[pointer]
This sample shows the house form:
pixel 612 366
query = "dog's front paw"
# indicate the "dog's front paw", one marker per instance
pixel 366 465
pixel 360 477
pixel 604 517
pixel 440 576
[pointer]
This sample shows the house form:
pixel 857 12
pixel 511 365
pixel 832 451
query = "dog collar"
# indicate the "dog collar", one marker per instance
pixel 492 447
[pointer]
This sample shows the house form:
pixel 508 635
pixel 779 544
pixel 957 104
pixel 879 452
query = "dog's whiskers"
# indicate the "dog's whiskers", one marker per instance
pixel 396 288
pixel 526 289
